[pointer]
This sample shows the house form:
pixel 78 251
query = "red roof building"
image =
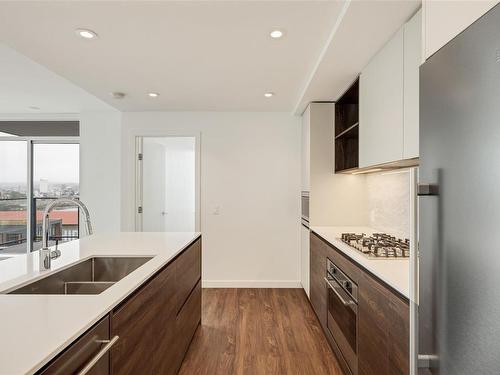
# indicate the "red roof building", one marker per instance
pixel 19 217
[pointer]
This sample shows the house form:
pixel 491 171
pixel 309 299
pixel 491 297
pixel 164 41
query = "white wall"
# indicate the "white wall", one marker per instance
pixel 336 199
pixel 100 168
pixel 250 174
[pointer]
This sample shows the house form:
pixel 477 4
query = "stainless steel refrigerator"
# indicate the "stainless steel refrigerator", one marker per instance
pixel 459 204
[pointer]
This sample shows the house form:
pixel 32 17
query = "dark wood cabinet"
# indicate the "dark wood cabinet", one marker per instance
pixel 133 322
pixel 317 285
pixel 81 352
pixel 156 324
pixel 188 319
pixel 383 330
pixel 382 317
pixel 399 336
pixel 167 355
pixel 187 272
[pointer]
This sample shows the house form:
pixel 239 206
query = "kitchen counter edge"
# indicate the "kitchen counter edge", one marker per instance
pixel 393 273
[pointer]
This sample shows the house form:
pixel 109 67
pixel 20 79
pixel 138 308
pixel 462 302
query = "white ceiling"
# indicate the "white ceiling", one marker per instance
pixel 24 84
pixel 200 55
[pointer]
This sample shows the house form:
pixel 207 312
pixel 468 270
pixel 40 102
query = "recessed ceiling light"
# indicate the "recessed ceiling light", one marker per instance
pixel 153 94
pixel 118 95
pixel 277 34
pixel 86 33
pixel 269 94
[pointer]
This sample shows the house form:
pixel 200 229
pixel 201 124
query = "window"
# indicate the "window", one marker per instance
pixel 54 169
pixel 55 175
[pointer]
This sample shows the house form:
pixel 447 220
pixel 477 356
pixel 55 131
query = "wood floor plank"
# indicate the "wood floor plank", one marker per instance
pixel 258 332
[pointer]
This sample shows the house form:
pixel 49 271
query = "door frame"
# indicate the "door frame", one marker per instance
pixel 138 193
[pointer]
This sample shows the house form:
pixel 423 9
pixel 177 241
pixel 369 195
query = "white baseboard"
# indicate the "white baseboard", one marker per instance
pixel 251 284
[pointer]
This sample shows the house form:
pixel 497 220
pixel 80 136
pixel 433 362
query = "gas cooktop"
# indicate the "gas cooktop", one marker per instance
pixel 378 245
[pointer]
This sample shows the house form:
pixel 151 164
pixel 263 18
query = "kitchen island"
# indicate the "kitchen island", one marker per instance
pixel 36 327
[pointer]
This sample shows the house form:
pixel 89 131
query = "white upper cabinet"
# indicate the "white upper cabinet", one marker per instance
pixel 389 99
pixel 381 105
pixel 306 149
pixel 443 20
pixel 412 61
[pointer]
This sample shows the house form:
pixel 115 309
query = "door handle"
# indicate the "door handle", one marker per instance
pixel 109 343
pixel 427 190
pixel 342 299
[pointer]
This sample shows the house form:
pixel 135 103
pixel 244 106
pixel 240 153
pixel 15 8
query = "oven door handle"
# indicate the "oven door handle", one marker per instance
pixel 346 303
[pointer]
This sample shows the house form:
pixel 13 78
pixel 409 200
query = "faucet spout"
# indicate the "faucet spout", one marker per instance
pixel 45 254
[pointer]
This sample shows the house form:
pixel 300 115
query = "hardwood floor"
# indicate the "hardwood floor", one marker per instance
pixel 258 331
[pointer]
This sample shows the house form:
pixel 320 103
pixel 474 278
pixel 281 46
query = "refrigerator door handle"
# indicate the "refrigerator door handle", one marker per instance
pixel 427 190
pixel 427 361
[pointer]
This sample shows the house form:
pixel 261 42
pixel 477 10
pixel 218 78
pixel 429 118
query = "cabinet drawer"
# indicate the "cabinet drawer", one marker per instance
pixel 384 328
pixel 188 319
pixel 317 283
pixel 166 355
pixel 187 272
pixel 133 322
pixel 82 351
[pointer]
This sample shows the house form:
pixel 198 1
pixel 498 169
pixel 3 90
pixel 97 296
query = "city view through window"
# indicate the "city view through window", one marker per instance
pixel 55 171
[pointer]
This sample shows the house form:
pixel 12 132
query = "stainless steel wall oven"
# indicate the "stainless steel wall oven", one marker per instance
pixel 342 313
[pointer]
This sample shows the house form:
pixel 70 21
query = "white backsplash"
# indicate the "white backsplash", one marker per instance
pixel 389 202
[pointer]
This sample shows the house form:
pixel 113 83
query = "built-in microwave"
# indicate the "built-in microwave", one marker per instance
pixel 305 208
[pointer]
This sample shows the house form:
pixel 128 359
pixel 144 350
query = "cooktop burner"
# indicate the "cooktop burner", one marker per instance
pixel 378 245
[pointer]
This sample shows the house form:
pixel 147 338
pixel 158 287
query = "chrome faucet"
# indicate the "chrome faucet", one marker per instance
pixel 45 254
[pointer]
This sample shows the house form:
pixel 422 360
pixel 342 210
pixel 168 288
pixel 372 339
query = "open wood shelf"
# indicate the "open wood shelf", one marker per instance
pixel 347 129
pixel 351 131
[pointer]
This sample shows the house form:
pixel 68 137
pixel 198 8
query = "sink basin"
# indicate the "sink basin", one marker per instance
pixel 92 276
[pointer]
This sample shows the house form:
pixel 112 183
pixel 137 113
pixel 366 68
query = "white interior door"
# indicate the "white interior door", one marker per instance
pixel 167 184
pixel 153 185
pixel 180 184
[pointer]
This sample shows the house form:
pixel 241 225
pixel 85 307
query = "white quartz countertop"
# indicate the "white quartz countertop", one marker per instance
pixel 35 328
pixel 394 272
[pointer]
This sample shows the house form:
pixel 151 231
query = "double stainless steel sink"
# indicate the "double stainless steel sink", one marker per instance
pixel 92 276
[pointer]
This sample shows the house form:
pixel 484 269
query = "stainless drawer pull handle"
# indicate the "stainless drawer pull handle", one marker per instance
pixel 427 190
pixel 98 356
pixel 346 303
pixel 427 361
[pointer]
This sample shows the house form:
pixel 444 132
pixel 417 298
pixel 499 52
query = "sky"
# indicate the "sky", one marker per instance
pixel 58 163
